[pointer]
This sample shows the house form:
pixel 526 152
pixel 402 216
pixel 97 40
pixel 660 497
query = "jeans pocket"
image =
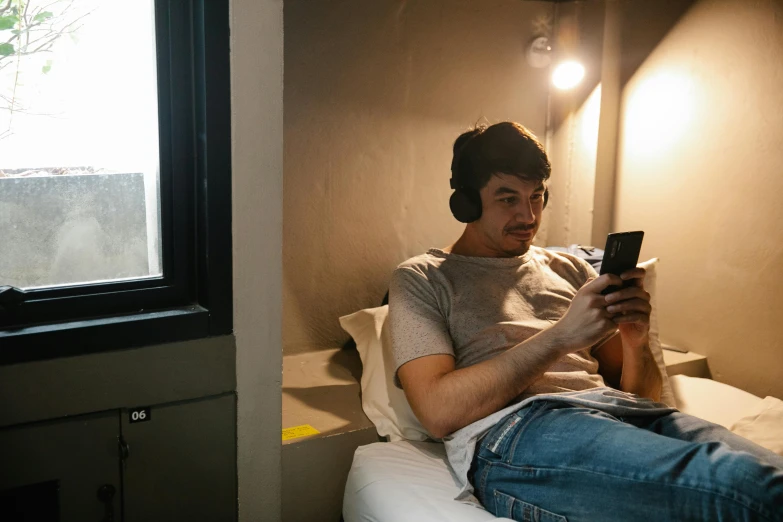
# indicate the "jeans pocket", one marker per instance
pixel 500 436
pixel 494 439
pixel 521 511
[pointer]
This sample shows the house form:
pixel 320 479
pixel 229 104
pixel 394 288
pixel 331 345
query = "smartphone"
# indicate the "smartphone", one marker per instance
pixel 621 254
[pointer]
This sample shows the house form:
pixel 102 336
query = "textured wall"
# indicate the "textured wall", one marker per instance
pixel 257 201
pixel 699 169
pixel 375 94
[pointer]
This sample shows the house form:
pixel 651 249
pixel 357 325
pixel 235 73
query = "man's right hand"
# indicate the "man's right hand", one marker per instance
pixel 586 322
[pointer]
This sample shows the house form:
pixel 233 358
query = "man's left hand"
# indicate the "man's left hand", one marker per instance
pixel 630 308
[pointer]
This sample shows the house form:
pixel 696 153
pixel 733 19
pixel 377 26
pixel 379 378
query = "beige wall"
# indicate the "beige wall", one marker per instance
pixel 257 179
pixel 375 94
pixel 699 169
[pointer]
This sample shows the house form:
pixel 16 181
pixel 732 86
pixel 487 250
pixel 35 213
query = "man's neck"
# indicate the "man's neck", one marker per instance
pixel 469 244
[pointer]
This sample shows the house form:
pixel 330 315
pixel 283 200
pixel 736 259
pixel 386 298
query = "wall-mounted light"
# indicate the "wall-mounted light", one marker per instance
pixel 567 74
pixel 539 52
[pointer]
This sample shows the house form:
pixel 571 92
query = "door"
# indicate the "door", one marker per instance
pixel 54 470
pixel 181 461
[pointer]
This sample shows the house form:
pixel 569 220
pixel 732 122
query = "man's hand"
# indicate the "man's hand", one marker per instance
pixel 630 308
pixel 587 320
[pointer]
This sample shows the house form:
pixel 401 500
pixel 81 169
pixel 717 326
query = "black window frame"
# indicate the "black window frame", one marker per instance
pixel 193 298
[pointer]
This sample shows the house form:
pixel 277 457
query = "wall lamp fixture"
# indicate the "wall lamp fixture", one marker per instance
pixel 566 74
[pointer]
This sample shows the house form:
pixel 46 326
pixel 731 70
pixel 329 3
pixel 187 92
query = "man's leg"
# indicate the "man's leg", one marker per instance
pixel 687 427
pixel 551 461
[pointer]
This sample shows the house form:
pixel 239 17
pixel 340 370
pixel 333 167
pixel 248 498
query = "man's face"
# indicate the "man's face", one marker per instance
pixel 511 215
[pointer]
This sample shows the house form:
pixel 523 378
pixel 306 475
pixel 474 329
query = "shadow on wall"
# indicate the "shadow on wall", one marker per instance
pixel 645 25
pixel 346 359
pixel 338 400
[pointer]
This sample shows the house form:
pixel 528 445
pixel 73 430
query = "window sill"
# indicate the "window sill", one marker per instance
pixel 103 334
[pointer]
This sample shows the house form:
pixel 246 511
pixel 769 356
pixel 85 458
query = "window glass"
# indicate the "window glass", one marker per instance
pixel 79 159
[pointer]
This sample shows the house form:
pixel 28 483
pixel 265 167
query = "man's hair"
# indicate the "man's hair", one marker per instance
pixel 503 148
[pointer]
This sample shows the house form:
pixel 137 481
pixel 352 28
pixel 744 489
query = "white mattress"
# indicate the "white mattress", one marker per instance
pixel 410 481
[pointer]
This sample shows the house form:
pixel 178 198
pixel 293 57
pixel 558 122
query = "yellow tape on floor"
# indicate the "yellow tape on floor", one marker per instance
pixel 299 431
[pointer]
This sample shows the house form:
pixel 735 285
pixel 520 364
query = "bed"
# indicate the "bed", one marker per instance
pixel 408 478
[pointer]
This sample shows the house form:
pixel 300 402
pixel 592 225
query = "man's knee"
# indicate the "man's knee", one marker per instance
pixel 746 478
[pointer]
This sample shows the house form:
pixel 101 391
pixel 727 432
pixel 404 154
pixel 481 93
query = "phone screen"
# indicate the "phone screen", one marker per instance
pixel 621 254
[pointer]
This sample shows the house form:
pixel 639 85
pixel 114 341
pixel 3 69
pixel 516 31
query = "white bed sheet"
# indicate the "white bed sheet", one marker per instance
pixel 405 481
pixel 409 481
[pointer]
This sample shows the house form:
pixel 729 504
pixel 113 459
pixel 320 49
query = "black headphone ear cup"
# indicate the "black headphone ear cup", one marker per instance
pixel 546 197
pixel 465 204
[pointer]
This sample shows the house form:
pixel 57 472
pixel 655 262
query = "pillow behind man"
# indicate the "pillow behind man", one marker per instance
pixel 384 404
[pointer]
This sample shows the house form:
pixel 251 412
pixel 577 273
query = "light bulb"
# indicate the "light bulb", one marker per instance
pixel 568 75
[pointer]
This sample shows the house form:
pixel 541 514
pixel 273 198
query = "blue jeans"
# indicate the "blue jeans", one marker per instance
pixel 554 462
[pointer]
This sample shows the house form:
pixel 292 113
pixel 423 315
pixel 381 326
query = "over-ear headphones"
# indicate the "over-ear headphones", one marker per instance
pixel 465 203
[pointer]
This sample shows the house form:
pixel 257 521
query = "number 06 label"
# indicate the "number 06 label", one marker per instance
pixel 140 415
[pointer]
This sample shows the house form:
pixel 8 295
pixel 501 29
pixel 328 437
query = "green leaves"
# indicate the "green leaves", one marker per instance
pixel 6 49
pixel 43 16
pixel 8 22
pixel 46 68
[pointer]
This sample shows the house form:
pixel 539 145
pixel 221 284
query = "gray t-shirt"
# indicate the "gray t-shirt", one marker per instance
pixel 474 308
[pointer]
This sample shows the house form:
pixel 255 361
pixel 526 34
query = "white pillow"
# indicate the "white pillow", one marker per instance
pixel 386 405
pixel 650 284
pixel 764 425
pixel 383 403
pixel 713 401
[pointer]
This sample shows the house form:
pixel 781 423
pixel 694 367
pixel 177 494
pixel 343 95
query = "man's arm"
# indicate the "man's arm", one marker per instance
pixel 630 351
pixel 635 373
pixel 445 400
pixel 640 372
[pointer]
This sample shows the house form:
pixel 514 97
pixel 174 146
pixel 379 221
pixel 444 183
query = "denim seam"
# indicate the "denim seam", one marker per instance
pixel 541 511
pixel 527 469
pixel 484 475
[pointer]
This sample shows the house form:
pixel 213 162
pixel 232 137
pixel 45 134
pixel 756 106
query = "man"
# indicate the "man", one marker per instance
pixel 544 390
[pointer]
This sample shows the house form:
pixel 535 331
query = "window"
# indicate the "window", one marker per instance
pixel 78 143
pixel 115 172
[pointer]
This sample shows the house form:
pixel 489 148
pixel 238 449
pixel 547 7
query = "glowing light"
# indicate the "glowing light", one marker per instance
pixel 568 75
pixel 658 112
